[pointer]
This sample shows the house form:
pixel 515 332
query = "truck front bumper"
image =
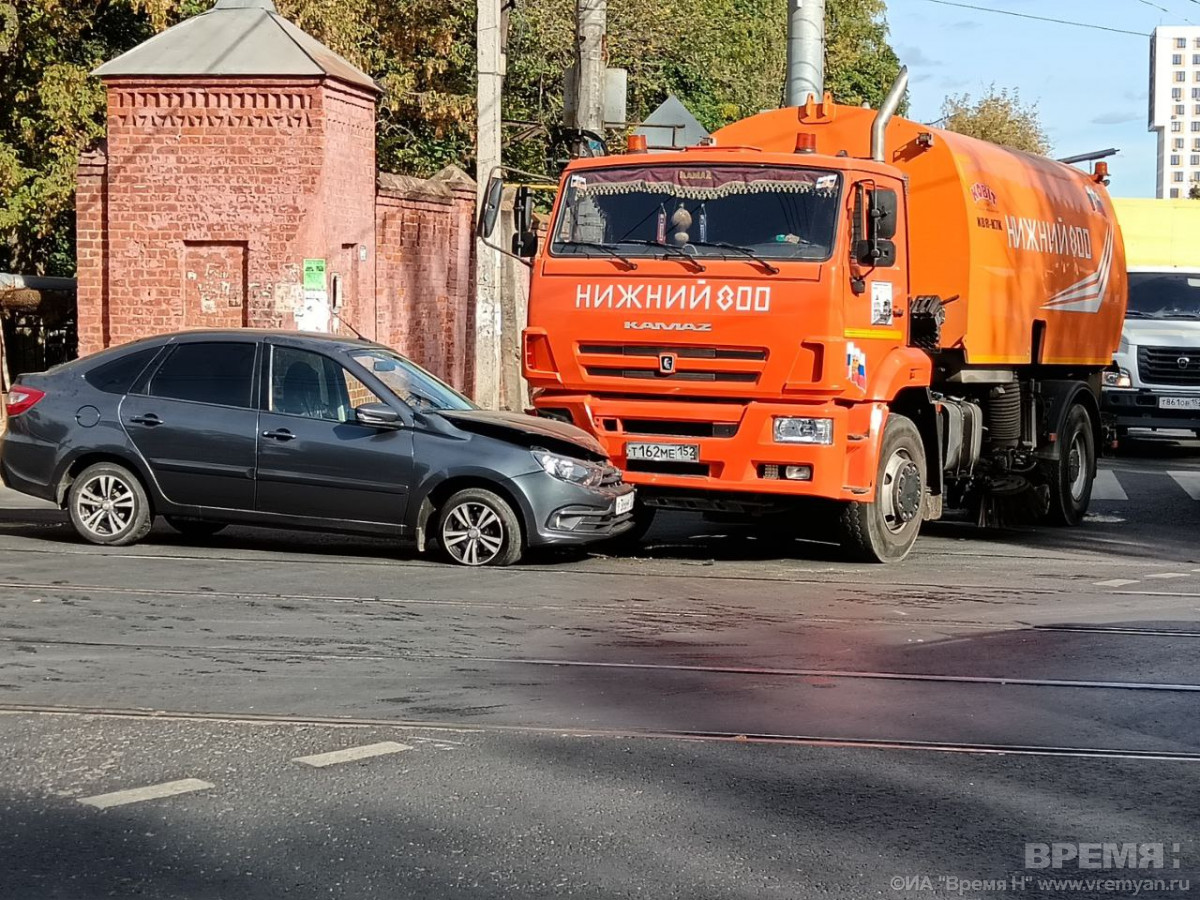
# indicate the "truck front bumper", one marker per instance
pixel 734 443
pixel 1144 408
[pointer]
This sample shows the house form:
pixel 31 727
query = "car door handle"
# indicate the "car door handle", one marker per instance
pixel 279 434
pixel 149 420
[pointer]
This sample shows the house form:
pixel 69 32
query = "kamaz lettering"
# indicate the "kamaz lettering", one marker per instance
pixel 669 326
pixel 696 297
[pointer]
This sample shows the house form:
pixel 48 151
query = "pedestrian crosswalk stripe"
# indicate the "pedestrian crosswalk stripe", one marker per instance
pixel 1189 481
pixel 1106 486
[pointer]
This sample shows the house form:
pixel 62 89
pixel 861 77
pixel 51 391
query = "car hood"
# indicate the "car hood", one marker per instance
pixel 528 431
pixel 1163 332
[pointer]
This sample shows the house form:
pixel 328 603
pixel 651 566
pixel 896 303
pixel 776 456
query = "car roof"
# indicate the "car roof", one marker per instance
pixel 301 337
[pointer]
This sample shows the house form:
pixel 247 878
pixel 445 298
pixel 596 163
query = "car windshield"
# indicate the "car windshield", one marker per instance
pixel 1163 295
pixel 410 382
pixel 776 212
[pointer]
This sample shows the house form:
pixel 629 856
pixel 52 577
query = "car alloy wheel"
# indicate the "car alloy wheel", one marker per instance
pixel 109 506
pixel 105 505
pixel 473 534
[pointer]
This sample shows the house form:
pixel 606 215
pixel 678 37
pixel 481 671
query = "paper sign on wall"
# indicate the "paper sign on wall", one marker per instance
pixel 881 303
pixel 314 274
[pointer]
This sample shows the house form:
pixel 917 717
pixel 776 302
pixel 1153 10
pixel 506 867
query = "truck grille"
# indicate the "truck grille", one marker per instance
pixel 737 365
pixel 1173 366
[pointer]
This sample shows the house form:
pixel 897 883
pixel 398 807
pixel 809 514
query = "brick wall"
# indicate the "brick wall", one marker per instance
pixel 212 192
pixel 425 247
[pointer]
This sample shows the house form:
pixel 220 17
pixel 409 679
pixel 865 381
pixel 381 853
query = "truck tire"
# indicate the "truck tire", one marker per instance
pixel 1070 477
pixel 885 529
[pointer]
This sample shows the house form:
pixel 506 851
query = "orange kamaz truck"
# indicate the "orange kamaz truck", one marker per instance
pixel 832 312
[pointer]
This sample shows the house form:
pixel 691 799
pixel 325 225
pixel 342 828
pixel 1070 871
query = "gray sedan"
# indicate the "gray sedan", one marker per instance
pixel 290 430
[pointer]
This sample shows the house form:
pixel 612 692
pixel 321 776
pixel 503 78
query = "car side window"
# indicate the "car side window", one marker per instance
pixel 218 373
pixel 118 375
pixel 308 384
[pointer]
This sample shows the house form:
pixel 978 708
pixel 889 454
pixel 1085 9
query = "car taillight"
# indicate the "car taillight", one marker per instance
pixel 22 399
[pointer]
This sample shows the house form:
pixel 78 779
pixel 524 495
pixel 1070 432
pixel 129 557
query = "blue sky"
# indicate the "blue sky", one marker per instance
pixel 1091 87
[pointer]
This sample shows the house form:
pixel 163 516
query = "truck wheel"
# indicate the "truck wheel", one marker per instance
pixel 1070 477
pixel 885 529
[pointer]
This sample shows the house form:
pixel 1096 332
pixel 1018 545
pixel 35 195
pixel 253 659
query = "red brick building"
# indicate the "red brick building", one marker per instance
pixel 238 187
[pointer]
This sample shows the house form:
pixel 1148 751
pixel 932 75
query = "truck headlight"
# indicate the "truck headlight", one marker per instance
pixel 790 430
pixel 1117 378
pixel 564 468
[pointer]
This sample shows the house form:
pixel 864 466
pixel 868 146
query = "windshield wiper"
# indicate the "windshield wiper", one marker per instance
pixel 745 251
pixel 670 250
pixel 629 263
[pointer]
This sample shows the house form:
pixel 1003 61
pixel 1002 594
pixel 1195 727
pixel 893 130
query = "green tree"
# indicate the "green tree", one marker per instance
pixel 998 116
pixel 724 58
pixel 860 65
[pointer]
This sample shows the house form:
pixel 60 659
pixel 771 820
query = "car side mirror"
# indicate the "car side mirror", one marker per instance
pixel 377 415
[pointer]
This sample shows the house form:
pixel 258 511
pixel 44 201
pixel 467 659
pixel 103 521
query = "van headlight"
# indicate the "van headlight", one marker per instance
pixel 791 430
pixel 564 468
pixel 1117 378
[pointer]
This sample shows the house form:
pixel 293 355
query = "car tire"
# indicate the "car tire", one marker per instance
pixel 195 528
pixel 1070 478
pixel 884 530
pixel 477 527
pixel 108 506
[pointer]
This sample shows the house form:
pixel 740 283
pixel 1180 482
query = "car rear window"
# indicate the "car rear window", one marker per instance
pixel 117 376
pixel 218 373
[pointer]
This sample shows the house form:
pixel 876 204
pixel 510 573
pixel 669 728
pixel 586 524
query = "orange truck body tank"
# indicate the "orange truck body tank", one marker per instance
pixel 1019 238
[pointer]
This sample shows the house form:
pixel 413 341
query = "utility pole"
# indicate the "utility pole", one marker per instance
pixel 488 312
pixel 805 51
pixel 591 62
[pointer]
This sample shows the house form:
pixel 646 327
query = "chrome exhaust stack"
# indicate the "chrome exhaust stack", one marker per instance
pixel 890 103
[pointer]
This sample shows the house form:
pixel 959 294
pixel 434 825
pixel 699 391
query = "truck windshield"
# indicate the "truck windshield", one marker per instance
pixel 775 212
pixel 1163 295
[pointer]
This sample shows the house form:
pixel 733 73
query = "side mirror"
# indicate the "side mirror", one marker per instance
pixel 377 415
pixel 525 239
pixel 880 253
pixel 884 213
pixel 489 213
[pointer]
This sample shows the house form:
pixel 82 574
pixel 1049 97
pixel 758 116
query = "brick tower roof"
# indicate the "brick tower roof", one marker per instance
pixel 235 37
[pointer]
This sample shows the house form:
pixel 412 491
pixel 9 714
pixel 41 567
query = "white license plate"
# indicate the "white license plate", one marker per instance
pixel 663 452
pixel 624 503
pixel 1179 402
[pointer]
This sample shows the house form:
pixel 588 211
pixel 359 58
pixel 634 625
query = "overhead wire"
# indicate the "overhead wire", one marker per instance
pixel 1019 15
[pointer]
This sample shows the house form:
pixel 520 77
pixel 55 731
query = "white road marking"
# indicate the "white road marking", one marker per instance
pixel 153 792
pixel 350 754
pixel 1167 575
pixel 1115 582
pixel 1107 487
pixel 1189 481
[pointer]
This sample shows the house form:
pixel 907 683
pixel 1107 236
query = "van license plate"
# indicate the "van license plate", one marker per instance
pixel 1179 402
pixel 663 452
pixel 624 503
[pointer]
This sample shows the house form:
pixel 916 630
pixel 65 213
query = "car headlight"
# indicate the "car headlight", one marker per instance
pixel 564 468
pixel 1117 378
pixel 789 430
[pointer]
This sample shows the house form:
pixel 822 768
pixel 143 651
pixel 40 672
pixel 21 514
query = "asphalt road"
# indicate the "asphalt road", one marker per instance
pixel 731 713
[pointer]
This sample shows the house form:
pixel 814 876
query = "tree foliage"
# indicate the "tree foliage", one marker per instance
pixel 998 116
pixel 724 58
